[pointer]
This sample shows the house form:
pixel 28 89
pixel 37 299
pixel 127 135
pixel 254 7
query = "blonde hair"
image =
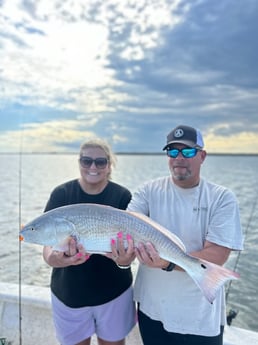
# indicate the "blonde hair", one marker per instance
pixel 101 144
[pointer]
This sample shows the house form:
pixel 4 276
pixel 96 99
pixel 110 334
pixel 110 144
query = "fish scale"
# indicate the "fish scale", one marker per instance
pixel 95 225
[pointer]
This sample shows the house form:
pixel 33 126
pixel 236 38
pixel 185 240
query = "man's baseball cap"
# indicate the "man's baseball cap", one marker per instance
pixel 185 135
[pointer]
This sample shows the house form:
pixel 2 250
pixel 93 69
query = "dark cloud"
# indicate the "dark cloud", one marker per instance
pixel 204 71
pixel 216 37
pixel 220 36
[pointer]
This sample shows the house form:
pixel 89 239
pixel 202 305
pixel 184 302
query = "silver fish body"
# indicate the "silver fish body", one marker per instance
pixel 95 225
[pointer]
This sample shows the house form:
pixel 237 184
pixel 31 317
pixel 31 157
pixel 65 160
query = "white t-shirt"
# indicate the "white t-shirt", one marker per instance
pixel 205 212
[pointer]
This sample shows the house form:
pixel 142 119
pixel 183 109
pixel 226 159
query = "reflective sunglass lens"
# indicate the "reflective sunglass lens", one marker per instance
pixel 189 153
pixel 186 152
pixel 173 153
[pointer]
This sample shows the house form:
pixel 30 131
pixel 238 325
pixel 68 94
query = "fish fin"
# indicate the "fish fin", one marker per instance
pixel 62 246
pixel 161 228
pixel 210 277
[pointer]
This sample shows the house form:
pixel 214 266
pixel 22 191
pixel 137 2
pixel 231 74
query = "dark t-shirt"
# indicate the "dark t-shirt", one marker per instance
pixel 98 280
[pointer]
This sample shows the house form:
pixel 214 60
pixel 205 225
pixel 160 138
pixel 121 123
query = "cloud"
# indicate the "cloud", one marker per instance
pixel 128 71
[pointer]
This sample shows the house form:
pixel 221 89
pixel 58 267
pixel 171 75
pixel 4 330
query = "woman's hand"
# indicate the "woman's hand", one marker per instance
pixel 123 256
pixel 74 255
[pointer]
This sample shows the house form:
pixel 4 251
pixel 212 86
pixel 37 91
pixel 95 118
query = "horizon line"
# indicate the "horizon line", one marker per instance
pixel 124 153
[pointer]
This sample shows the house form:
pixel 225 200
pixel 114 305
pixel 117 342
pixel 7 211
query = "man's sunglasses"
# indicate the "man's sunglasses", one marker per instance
pixel 187 152
pixel 100 163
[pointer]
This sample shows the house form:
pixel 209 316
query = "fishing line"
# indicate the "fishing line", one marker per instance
pixel 245 234
pixel 232 314
pixel 19 228
pixel 247 227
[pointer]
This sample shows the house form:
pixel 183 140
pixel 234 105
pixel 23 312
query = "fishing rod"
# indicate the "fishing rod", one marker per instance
pixel 19 228
pixel 232 313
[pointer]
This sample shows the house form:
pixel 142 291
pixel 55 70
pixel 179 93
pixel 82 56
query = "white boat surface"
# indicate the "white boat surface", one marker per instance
pixel 25 318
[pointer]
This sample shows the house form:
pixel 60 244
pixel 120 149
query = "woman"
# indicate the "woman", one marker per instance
pixel 92 294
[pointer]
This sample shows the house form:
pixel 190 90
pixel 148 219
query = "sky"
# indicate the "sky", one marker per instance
pixel 128 71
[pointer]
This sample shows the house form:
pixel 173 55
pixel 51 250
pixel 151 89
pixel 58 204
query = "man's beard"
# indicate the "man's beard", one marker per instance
pixel 181 177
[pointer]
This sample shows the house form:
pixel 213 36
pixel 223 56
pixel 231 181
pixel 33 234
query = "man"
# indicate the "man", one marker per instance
pixel 205 216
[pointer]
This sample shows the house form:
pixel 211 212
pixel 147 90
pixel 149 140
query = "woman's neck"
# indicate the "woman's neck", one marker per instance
pixel 92 188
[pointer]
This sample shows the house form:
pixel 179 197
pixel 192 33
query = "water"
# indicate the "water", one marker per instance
pixel 41 173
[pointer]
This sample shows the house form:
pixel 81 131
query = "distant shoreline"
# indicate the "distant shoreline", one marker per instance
pixel 125 153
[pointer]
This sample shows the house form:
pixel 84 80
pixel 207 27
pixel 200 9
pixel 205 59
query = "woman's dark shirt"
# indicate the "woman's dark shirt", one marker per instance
pixel 98 280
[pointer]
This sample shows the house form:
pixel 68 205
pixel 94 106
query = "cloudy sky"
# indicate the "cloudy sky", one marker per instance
pixel 128 71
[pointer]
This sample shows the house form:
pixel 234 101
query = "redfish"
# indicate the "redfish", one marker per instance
pixel 95 225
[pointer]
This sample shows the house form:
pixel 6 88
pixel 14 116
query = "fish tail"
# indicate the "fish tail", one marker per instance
pixel 210 277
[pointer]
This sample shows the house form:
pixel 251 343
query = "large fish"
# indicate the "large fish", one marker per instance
pixel 95 225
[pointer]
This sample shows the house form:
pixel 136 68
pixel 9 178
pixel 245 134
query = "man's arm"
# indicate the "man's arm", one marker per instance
pixel 212 252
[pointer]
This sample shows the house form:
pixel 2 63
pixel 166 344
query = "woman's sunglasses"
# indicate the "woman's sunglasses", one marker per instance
pixel 100 163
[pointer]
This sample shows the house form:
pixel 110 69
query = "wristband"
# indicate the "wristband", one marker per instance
pixel 170 267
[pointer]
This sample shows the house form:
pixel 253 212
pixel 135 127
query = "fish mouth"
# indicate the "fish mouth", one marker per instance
pixel 21 238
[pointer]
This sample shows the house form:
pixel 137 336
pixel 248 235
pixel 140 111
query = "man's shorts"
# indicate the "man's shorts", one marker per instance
pixel 111 321
pixel 153 333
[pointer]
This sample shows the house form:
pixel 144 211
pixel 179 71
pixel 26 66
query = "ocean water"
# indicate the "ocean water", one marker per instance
pixel 26 182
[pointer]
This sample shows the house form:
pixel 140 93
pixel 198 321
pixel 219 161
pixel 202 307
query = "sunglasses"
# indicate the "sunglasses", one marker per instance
pixel 187 152
pixel 100 163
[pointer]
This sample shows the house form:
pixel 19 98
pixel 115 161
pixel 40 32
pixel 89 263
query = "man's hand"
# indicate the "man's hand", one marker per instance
pixel 147 255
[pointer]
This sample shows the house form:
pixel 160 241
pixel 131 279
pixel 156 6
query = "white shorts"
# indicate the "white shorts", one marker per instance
pixel 111 321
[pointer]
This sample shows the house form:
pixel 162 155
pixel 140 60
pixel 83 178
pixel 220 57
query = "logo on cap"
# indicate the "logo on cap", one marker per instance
pixel 178 133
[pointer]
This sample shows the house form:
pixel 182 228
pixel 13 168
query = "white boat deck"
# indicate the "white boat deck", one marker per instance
pixel 239 336
pixel 36 316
